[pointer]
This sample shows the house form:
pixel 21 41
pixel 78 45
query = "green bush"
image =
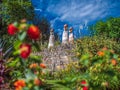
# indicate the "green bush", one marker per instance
pixel 14 10
pixel 94 72
pixel 95 43
pixel 5 52
pixel 110 28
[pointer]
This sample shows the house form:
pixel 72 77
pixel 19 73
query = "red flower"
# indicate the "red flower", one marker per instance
pixel 19 84
pixel 85 88
pixel 100 53
pixel 25 50
pixel 12 29
pixel 33 32
pixel 42 65
pixel 83 82
pixel 18 88
pixel 37 82
pixel 33 65
pixel 114 62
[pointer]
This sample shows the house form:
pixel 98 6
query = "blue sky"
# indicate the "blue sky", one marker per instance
pixel 76 13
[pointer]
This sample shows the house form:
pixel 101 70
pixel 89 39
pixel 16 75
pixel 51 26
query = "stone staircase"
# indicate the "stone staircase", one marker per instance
pixel 57 57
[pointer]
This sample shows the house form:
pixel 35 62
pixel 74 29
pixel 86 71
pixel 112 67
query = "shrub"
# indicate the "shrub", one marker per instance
pixel 95 43
pixel 27 72
pixel 5 52
pixel 110 28
pixel 94 72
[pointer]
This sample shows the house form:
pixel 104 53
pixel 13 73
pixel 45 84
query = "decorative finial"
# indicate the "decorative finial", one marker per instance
pixel 51 38
pixel 71 29
pixel 71 36
pixel 65 27
pixel 51 30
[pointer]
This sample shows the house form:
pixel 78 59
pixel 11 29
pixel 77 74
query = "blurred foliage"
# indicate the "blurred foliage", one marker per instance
pixel 44 26
pixel 98 57
pixel 18 64
pixel 5 53
pixel 14 10
pixel 27 73
pixel 110 28
pixel 94 43
pixel 100 71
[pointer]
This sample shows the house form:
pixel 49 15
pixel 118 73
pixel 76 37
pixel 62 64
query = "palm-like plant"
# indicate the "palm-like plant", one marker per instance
pixel 5 52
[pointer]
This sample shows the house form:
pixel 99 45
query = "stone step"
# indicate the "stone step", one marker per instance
pixel 57 57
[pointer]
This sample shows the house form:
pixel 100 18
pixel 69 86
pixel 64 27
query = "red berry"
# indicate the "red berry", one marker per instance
pixel 33 32
pixel 25 50
pixel 12 29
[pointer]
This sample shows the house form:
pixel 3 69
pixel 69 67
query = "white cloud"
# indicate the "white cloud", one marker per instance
pixel 76 12
pixel 37 9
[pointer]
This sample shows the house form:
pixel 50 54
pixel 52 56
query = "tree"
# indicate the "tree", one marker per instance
pixel 110 28
pixel 14 10
pixel 44 26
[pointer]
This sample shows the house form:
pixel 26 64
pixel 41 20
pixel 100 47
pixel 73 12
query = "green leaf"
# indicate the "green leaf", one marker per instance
pixel 85 62
pixel 36 46
pixel 74 79
pixel 22 36
pixel 36 88
pixel 115 56
pixel 17 44
pixel 29 75
pixel 23 62
pixel 110 72
pixel 56 85
pixel 13 63
pixel 35 58
pixel 16 52
pixel 8 52
pixel 26 88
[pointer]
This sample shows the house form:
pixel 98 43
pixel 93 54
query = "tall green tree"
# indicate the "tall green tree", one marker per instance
pixel 110 28
pixel 14 10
